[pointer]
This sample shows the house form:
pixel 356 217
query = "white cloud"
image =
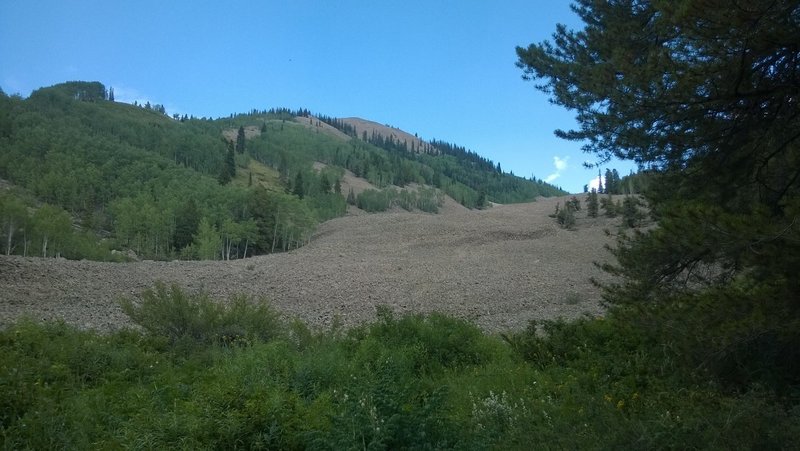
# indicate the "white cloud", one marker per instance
pixel 129 95
pixel 595 182
pixel 125 94
pixel 561 166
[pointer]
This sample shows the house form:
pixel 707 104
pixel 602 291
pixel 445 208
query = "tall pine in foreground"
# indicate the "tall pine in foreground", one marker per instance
pixel 705 95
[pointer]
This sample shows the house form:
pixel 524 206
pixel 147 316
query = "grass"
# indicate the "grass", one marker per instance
pixel 202 374
pixel 261 174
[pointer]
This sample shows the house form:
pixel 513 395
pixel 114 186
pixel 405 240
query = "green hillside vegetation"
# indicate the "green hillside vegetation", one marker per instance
pixel 464 175
pixel 107 175
pixel 208 374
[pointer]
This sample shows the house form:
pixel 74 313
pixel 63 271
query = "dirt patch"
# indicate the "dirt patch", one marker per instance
pixel 499 267
pixel 251 131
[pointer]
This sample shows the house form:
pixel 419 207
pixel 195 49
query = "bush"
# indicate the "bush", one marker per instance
pixel 402 382
pixel 197 319
pixel 373 201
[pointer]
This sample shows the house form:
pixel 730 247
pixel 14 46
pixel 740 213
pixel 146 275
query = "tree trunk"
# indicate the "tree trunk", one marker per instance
pixel 274 235
pixel 10 237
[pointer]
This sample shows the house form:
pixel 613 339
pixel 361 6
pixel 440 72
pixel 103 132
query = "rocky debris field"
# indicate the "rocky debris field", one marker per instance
pixel 498 268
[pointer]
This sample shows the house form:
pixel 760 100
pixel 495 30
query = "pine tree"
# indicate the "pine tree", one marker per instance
pixel 299 189
pixel 240 140
pixel 324 184
pixel 599 182
pixel 228 170
pixel 705 96
pixel 592 204
pixel 187 219
pixel 611 186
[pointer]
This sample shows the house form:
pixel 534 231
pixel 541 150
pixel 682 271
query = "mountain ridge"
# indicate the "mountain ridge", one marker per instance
pixel 183 187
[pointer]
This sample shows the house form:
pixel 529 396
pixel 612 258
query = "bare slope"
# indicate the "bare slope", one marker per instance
pixel 363 125
pixel 500 268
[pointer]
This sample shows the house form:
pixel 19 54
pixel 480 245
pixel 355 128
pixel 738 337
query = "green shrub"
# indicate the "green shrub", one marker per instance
pixel 197 319
pixel 402 382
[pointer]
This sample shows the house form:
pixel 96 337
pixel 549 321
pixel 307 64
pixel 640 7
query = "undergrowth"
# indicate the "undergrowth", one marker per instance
pixel 200 374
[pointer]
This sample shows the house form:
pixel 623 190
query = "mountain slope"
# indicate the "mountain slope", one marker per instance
pixel 499 267
pixel 365 129
pixel 184 188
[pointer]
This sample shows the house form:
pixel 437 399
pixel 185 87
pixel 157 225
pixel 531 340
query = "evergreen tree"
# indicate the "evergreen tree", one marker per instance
pixel 611 186
pixel 704 96
pixel 240 140
pixel 187 219
pixel 299 189
pixel 600 182
pixel 228 171
pixel 592 204
pixel 324 184
pixel 631 215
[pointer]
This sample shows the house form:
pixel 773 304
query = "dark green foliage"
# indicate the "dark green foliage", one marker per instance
pixel 462 174
pixel 128 172
pixel 592 204
pixel 187 219
pixel 705 98
pixel 299 188
pixel 282 221
pixel 566 216
pixel 197 320
pixel 240 140
pixel 228 171
pixel 205 375
pixel 573 203
pixel 632 216
pixel 611 208
pixel 372 201
pixel 425 199
pixel 613 182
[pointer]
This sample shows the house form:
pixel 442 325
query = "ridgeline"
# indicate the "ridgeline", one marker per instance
pixel 88 177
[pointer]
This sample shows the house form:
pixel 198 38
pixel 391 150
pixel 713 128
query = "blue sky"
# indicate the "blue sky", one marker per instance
pixel 441 69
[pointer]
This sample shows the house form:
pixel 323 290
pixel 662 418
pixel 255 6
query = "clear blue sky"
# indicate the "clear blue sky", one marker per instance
pixel 441 69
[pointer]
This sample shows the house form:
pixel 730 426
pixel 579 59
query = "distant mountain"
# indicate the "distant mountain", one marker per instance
pixel 91 175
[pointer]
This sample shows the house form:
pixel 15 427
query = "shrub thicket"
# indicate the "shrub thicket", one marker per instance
pixel 418 381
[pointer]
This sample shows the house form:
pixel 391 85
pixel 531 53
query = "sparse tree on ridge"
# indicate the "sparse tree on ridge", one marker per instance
pixel 240 140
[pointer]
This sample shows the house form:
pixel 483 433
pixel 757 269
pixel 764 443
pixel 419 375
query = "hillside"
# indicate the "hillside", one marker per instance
pixel 366 129
pixel 96 179
pixel 499 267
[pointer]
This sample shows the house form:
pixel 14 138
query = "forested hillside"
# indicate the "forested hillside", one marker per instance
pixel 86 175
